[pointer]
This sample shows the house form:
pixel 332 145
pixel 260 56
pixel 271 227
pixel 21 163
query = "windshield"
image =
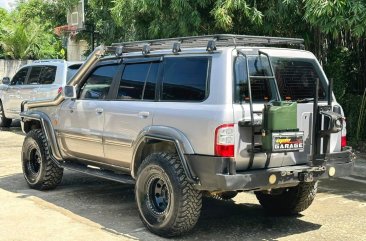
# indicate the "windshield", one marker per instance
pixel 295 79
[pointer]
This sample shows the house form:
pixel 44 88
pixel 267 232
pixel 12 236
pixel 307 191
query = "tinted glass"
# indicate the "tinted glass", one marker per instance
pixel 71 70
pixel 34 75
pixel 263 89
pixel 296 79
pixel 138 81
pixel 47 75
pixel 19 78
pixel 185 79
pixel 149 92
pixel 98 84
pixel 133 80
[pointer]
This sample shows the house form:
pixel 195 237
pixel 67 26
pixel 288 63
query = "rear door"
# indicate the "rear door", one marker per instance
pixel 48 89
pixel 295 80
pixel 263 90
pixel 130 110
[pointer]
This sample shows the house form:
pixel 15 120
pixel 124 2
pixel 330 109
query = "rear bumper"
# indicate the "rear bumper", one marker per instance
pixel 218 174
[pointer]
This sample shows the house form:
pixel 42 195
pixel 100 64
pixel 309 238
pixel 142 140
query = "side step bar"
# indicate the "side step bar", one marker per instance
pixel 106 174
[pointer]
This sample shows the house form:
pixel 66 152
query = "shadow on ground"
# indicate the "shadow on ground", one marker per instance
pixel 112 205
pixel 351 190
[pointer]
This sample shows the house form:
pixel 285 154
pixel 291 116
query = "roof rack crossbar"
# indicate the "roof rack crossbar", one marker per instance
pixel 221 40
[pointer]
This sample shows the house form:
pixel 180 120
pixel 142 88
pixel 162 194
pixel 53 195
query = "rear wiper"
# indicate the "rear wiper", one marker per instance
pixel 305 100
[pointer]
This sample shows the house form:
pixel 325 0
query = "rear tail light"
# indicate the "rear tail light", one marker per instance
pixel 343 136
pixel 224 140
pixel 343 141
pixel 59 91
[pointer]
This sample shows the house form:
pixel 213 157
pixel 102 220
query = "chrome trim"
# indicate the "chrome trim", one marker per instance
pixel 80 137
pixel 117 142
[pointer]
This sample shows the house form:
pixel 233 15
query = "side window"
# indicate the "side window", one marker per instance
pixel 98 83
pixel 138 81
pixel 34 75
pixel 185 79
pixel 47 75
pixel 19 78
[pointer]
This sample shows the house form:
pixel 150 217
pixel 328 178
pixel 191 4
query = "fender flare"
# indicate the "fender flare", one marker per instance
pixel 170 134
pixel 47 128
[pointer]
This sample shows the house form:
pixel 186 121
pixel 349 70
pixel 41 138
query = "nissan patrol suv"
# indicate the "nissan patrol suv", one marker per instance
pixel 182 117
pixel 41 79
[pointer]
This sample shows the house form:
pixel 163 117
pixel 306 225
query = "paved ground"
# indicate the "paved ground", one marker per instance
pixel 87 208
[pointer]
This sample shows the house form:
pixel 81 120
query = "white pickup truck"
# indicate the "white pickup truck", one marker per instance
pixel 42 79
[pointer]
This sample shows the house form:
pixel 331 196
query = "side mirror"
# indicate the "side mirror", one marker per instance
pixel 69 92
pixel 6 81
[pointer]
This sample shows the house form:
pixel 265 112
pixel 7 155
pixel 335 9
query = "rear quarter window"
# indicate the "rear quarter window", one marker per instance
pixel 185 79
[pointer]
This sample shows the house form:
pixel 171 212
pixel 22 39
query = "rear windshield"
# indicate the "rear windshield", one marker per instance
pixel 71 70
pixel 295 79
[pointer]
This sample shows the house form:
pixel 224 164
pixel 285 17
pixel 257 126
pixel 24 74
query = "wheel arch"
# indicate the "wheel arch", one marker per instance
pixel 162 139
pixel 39 120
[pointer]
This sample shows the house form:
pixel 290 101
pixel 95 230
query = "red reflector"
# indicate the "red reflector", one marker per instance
pixel 343 141
pixel 59 90
pixel 224 151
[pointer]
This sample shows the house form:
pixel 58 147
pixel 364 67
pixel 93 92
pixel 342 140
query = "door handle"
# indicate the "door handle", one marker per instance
pixel 143 114
pixel 99 110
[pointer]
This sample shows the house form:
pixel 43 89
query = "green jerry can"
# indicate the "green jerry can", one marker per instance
pixel 279 119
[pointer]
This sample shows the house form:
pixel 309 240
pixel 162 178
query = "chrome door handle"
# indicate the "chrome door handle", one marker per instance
pixel 144 114
pixel 99 110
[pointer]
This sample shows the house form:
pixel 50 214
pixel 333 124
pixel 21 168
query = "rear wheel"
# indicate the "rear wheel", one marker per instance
pixel 39 170
pixel 168 204
pixel 288 201
pixel 4 122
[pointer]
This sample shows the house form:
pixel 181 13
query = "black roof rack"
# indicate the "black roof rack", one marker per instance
pixel 208 41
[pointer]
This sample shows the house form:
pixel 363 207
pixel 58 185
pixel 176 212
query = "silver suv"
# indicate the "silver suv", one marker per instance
pixel 189 116
pixel 42 79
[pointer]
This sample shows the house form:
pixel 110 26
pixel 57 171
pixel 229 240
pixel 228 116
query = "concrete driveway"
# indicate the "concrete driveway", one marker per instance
pixel 88 208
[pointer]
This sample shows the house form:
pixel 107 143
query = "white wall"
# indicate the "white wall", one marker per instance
pixel 9 67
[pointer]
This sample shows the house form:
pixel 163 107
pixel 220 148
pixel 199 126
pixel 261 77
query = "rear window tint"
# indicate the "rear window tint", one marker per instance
pixel 47 75
pixel 263 89
pixel 296 78
pixel 185 79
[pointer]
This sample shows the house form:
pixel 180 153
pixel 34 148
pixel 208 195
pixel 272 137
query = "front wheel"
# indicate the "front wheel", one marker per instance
pixel 39 170
pixel 168 204
pixel 4 122
pixel 288 201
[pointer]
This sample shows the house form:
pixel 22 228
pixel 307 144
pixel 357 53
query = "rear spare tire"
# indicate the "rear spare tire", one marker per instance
pixel 168 204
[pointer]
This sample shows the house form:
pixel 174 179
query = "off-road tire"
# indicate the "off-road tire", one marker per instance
pixel 289 201
pixel 225 195
pixel 4 122
pixel 39 171
pixel 168 204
